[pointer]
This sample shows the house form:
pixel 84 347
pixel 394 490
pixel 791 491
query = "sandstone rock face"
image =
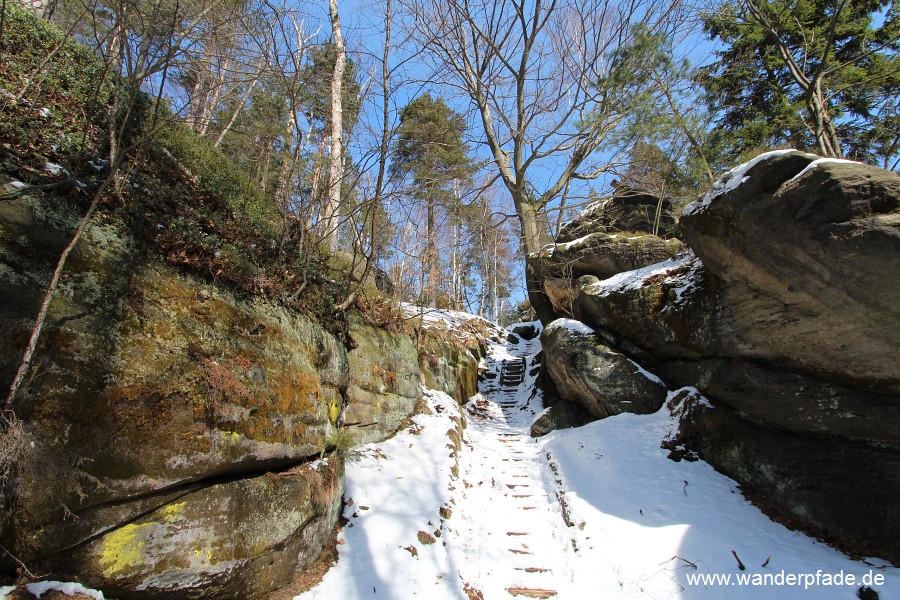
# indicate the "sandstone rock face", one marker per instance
pixel 786 319
pixel 448 367
pixel 603 255
pixel 671 310
pixel 843 493
pixel 236 539
pixel 628 210
pixel 612 237
pixel 176 422
pixel 385 383
pixel 152 389
pixel 794 403
pixel 812 301
pixel 806 254
pixel 600 380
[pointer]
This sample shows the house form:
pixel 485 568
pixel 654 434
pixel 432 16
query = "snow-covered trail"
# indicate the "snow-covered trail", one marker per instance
pixel 592 512
pixel 511 535
pixel 464 505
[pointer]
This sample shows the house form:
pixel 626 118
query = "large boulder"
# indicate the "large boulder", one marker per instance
pixel 603 254
pixel 561 415
pixel 805 291
pixel 671 310
pixel 151 390
pixel 785 319
pixel 610 237
pixel 628 210
pixel 234 539
pixel 804 243
pixel 794 403
pixel 588 373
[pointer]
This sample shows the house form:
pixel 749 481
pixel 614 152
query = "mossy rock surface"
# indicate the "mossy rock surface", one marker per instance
pixel 450 368
pixel 146 382
pixel 216 542
pixel 385 382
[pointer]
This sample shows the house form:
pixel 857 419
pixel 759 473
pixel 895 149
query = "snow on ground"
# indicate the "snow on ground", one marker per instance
pixel 593 512
pixel 395 490
pixel 652 528
pixel 40 588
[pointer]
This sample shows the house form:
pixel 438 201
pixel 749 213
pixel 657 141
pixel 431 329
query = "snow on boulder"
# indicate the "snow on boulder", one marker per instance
pixel 804 243
pixel 741 174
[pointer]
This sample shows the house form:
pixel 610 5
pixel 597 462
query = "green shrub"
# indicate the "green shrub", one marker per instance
pixel 73 85
pixel 184 199
pixel 217 176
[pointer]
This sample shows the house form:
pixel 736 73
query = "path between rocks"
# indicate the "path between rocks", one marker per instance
pixel 511 532
pixel 608 515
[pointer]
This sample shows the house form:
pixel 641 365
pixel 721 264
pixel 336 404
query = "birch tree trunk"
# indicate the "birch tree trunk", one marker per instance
pixel 336 158
pixel 236 113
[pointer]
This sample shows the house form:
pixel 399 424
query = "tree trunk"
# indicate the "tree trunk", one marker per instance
pixel 827 140
pixel 534 236
pixel 335 160
pixel 283 191
pixel 382 161
pixel 237 111
pixel 210 101
pixel 431 254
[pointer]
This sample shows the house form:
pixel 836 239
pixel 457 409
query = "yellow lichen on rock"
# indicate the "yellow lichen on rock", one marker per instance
pixel 173 511
pixel 123 549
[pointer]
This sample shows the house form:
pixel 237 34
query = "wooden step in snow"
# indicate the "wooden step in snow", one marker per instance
pixel 512 372
pixel 533 569
pixel 531 592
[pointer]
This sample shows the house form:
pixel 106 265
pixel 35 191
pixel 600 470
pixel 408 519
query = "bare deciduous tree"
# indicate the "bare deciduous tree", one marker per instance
pixel 330 213
pixel 550 83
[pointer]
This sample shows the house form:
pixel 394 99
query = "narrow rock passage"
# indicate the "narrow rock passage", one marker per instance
pixel 485 513
pixel 510 536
